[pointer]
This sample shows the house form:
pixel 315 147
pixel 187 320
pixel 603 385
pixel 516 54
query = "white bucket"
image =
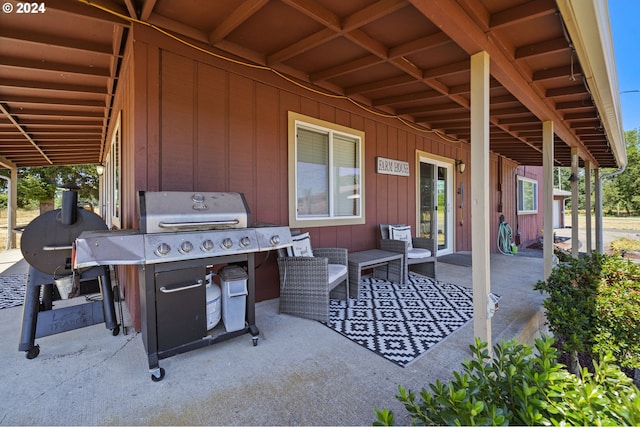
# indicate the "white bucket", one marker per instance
pixel 64 285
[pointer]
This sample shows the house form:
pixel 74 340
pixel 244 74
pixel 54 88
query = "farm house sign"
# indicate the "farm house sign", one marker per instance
pixel 392 167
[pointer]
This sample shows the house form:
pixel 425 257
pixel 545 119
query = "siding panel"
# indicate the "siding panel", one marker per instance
pixel 177 122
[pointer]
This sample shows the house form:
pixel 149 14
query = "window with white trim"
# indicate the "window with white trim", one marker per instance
pixel 112 178
pixel 325 173
pixel 527 195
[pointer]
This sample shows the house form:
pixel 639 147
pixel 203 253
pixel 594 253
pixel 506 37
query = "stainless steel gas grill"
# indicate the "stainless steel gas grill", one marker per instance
pixel 182 237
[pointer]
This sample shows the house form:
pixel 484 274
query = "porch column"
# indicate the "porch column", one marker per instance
pixel 598 209
pixel 574 202
pixel 587 203
pixel 12 204
pixel 480 243
pixel 12 200
pixel 547 180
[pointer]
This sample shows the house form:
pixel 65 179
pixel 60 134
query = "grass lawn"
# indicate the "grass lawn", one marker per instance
pixel 608 222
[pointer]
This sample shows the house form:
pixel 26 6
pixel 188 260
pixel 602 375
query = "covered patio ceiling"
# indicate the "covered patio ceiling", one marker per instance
pixel 404 58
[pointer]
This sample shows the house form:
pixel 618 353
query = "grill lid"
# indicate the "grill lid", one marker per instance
pixel 172 211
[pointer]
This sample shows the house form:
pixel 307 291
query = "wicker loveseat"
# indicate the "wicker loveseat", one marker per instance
pixel 419 252
pixel 308 281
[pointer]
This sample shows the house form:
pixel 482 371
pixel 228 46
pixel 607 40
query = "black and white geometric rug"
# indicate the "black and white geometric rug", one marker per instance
pixel 12 287
pixel 402 322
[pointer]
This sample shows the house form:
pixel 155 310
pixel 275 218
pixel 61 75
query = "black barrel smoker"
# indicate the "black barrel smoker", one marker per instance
pixel 47 246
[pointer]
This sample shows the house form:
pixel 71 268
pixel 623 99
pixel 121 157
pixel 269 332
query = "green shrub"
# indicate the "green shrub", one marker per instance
pixel 520 387
pixel 592 306
pixel 617 311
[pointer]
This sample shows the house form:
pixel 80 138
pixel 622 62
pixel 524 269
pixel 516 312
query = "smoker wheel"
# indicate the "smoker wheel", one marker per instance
pixel 115 331
pixel 156 379
pixel 255 341
pixel 33 352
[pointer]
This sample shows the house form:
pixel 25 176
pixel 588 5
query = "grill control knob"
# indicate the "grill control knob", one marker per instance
pixel 207 245
pixel 186 247
pixel 275 240
pixel 162 249
pixel 227 243
pixel 245 241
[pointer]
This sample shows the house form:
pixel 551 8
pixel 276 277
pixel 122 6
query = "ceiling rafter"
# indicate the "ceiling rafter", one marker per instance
pixel 8 115
pixel 522 13
pixel 245 10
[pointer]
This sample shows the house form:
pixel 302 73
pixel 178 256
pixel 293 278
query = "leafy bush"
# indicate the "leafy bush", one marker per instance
pixel 618 317
pixel 592 306
pixel 570 307
pixel 519 387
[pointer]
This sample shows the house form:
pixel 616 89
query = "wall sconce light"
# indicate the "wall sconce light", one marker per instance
pixel 99 169
pixel 461 166
pixel 574 178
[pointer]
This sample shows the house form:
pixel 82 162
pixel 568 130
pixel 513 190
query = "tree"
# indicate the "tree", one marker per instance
pixel 39 184
pixel 628 183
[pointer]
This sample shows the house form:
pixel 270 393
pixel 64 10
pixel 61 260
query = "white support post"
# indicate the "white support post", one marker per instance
pixel 574 203
pixel 587 204
pixel 547 176
pixel 480 195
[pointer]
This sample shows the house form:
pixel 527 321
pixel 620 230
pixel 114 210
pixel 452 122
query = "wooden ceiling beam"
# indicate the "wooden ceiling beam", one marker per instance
pixel 54 67
pixel 57 41
pixel 51 101
pixel 424 43
pixel 372 13
pixel 556 73
pixel 543 48
pixel 60 87
pixel 245 10
pixel 345 68
pixel 302 46
pixel 522 13
pixel 409 97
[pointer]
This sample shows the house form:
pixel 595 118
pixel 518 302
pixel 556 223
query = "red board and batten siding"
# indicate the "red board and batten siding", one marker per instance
pixel 197 123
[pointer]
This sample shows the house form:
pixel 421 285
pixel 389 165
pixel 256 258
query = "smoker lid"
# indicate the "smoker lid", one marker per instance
pixel 46 242
pixel 170 211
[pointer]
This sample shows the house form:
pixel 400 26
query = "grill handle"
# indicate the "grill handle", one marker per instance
pixel 163 224
pixel 57 248
pixel 163 289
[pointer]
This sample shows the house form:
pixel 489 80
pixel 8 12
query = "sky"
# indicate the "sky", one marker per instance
pixel 623 16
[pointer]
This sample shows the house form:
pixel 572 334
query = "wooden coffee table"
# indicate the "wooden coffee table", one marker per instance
pixel 382 262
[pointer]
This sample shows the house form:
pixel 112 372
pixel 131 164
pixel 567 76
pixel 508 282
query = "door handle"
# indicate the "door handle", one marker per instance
pixel 163 289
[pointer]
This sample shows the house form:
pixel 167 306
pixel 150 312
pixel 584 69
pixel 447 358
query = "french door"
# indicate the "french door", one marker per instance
pixel 435 204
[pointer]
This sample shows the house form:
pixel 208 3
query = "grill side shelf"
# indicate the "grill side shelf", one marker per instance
pixel 116 247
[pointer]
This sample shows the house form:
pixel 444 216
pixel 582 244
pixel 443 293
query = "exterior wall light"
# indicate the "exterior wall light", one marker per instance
pixel 461 166
pixel 100 170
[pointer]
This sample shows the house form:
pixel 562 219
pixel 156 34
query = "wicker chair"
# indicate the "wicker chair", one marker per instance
pixel 421 258
pixel 307 282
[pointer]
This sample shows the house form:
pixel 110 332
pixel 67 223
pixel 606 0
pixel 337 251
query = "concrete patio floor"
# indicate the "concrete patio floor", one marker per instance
pixel 300 373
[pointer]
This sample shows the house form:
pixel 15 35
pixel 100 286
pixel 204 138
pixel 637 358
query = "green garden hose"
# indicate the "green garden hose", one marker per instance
pixel 504 238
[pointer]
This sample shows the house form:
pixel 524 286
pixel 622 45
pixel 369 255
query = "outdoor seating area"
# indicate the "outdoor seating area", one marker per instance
pixel 310 276
pixel 301 372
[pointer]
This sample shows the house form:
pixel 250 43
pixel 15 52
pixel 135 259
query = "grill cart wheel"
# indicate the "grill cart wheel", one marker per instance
pixel 33 352
pixel 156 379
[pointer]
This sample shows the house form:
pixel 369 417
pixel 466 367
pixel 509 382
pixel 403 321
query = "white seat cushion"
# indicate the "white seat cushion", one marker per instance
pixel 418 253
pixel 335 271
